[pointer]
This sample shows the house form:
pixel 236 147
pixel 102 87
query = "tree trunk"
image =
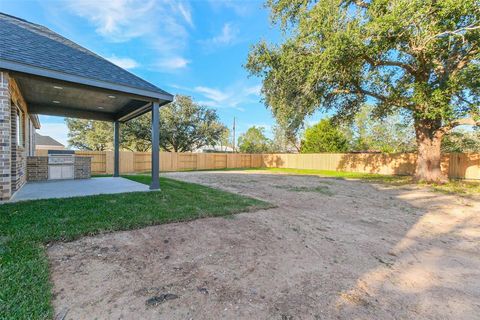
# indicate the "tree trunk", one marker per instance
pixel 429 140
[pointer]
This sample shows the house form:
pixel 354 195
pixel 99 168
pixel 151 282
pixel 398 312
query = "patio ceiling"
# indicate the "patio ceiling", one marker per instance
pixel 68 99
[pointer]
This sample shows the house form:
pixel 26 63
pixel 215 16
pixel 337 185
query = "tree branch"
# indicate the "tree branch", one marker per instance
pixel 372 94
pixel 459 122
pixel 389 63
pixel 361 3
pixel 360 91
pixel 461 63
pixel 457 32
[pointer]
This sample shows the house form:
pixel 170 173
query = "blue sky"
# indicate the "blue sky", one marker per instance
pixel 195 48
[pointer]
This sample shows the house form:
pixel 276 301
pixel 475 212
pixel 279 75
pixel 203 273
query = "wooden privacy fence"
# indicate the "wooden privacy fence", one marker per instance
pixel 130 162
pixel 456 165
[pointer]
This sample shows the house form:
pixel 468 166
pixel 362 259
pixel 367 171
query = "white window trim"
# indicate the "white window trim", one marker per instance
pixel 20 127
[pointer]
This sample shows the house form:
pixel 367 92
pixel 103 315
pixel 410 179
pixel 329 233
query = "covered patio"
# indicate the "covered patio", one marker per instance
pixel 52 75
pixel 53 93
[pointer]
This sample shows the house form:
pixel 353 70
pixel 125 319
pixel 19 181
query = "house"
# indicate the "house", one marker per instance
pixel 46 143
pixel 42 72
pixel 214 149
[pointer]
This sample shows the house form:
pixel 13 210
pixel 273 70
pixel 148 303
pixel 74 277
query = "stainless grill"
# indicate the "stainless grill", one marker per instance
pixel 61 159
pixel 61 164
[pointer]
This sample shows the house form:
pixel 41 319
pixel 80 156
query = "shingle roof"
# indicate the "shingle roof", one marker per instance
pixel 46 141
pixel 35 45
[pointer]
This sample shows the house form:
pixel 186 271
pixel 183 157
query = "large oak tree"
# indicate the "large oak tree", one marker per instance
pixel 419 56
pixel 186 125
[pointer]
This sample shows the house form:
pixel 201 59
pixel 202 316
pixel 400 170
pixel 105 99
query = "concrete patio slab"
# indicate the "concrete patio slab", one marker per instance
pixel 76 188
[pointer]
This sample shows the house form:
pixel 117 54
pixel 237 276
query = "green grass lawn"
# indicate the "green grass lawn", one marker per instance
pixel 25 228
pixel 459 187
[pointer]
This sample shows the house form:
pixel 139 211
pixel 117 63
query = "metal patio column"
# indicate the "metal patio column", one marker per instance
pixel 116 149
pixel 155 146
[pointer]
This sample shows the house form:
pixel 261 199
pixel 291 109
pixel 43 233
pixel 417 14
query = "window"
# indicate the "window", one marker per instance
pixel 20 128
pixel 31 137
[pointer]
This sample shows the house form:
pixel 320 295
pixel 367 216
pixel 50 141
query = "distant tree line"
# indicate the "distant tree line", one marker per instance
pixel 184 126
pixel 390 134
pixel 187 126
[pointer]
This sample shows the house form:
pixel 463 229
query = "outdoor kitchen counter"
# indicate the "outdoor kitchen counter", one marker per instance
pixel 37 167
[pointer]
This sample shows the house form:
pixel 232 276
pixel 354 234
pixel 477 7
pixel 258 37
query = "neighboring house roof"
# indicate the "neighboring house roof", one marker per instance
pixel 214 149
pixel 35 47
pixel 46 141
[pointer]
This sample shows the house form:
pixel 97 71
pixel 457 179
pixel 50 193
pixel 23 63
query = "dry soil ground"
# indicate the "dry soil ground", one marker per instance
pixel 331 249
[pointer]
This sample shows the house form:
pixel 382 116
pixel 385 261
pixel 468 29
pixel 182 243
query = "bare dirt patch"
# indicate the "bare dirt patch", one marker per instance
pixel 331 249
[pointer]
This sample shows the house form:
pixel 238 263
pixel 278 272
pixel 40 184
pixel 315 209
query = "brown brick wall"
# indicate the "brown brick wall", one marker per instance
pixel 18 152
pixel 13 158
pixel 37 168
pixel 5 128
pixel 83 167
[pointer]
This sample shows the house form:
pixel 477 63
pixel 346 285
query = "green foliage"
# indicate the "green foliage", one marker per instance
pixel 461 141
pixel 324 137
pixel 225 140
pixel 136 134
pixel 284 140
pixel 89 134
pixel 392 133
pixel 184 126
pixel 254 141
pixel 420 56
pixel 25 287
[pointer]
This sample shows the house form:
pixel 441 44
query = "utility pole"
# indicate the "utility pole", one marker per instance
pixel 234 150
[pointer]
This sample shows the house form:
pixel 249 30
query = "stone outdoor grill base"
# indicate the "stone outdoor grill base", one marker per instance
pixel 37 168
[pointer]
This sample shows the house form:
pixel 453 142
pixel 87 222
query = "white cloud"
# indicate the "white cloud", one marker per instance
pixel 230 97
pixel 185 12
pixel 117 20
pixel 172 63
pixel 227 36
pixel 160 25
pixel 126 63
pixel 241 8
pixel 255 90
pixel 180 87
pixel 213 94
pixel 208 103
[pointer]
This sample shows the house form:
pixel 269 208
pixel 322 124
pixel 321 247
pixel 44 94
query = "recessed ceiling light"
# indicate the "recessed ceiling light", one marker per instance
pixel 56 101
pixel 57 87
pixel 101 108
pixel 112 97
